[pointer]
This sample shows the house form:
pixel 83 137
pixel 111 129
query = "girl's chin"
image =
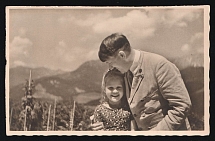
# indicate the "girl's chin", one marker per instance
pixel 115 100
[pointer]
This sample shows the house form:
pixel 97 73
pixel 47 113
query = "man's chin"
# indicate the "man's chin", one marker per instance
pixel 122 71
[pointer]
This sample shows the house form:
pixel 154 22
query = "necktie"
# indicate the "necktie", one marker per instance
pixel 130 78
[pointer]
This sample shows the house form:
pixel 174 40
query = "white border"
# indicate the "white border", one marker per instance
pixel 206 130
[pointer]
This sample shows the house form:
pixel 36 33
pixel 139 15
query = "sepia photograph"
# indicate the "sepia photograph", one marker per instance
pixel 86 70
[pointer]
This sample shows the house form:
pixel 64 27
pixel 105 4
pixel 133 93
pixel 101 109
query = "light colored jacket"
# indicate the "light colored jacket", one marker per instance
pixel 158 99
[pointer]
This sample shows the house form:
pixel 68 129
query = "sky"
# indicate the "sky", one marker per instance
pixel 64 38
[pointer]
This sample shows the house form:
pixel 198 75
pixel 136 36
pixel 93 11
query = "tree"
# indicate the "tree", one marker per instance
pixel 31 114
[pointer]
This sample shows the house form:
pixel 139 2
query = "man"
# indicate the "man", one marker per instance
pixel 157 96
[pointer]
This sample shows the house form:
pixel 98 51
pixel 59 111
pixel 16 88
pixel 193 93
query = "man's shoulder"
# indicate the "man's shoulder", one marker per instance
pixel 152 57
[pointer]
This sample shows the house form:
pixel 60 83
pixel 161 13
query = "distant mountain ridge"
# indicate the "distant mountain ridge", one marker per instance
pixel 192 71
pixel 84 84
pixel 19 74
pixel 194 60
pixel 87 78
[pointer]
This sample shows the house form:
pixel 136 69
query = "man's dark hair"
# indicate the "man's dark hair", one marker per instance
pixel 111 44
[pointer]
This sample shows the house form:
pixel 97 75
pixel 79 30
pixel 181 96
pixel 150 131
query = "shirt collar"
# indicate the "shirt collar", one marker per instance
pixel 135 63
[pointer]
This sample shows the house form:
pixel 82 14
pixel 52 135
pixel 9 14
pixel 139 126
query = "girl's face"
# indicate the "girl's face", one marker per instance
pixel 114 90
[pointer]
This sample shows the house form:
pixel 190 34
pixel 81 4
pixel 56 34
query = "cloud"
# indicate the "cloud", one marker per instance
pixel 91 55
pixel 92 19
pixel 19 46
pixel 62 52
pixel 77 32
pixel 66 19
pixel 19 63
pixel 185 48
pixel 195 44
pixel 62 44
pixel 86 22
pixel 68 53
pixel 19 50
pixel 61 48
pixel 197 36
pixel 197 41
pixel 200 50
pixel 179 17
pixel 22 32
pixel 182 24
pixel 135 22
pixel 141 23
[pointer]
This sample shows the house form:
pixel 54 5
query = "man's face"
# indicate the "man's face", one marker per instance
pixel 118 63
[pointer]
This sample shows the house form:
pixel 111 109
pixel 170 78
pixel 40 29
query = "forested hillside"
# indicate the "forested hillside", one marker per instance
pixel 83 86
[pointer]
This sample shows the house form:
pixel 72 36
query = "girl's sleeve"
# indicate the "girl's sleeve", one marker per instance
pixel 97 114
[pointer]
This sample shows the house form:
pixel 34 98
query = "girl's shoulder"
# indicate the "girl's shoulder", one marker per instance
pixel 103 107
pixel 100 107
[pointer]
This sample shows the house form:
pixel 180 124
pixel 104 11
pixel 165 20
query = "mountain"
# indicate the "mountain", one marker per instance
pixel 88 76
pixel 194 81
pixel 84 84
pixel 192 72
pixel 192 60
pixel 85 80
pixel 19 74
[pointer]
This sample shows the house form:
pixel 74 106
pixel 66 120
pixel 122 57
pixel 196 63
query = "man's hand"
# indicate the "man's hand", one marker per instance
pixel 96 126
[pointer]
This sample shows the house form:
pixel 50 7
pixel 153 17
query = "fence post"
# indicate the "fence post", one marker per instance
pixel 25 129
pixel 53 124
pixel 72 117
pixel 48 117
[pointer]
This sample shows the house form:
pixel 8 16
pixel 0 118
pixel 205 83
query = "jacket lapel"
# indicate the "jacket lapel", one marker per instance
pixel 127 91
pixel 138 77
pixel 135 85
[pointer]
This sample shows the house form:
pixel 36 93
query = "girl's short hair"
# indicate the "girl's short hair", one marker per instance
pixel 113 73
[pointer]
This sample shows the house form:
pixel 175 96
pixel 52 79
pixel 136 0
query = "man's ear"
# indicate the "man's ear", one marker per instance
pixel 122 54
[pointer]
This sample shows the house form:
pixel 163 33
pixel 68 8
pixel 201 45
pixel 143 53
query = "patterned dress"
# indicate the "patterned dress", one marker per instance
pixel 113 119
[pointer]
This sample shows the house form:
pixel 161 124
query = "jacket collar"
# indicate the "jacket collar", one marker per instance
pixel 138 77
pixel 135 63
pixel 137 66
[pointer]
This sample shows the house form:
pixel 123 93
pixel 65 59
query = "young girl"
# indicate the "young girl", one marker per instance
pixel 113 110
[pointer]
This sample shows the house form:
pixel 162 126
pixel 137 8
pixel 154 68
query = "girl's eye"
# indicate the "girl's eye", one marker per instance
pixel 110 88
pixel 119 88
